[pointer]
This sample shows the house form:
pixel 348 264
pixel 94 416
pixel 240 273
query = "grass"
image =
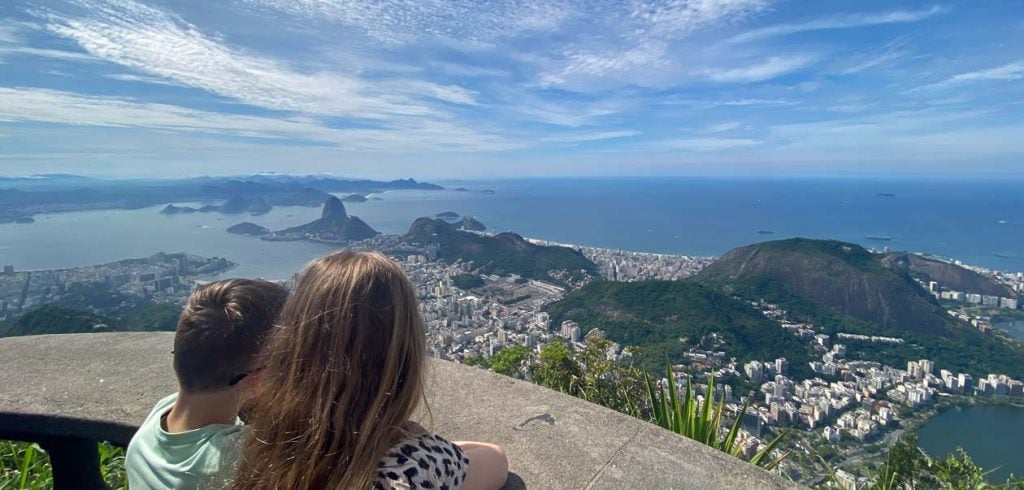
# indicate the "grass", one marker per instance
pixel 26 466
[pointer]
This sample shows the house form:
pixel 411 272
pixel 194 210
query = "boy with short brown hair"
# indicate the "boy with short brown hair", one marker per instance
pixel 189 437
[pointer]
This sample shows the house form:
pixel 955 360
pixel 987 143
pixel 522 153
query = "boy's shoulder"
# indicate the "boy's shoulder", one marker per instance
pixel 155 457
pixel 162 407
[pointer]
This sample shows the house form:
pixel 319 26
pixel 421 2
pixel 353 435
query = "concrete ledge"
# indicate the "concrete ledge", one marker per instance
pixel 100 386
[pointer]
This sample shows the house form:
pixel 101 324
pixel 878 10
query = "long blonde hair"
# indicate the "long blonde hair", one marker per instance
pixel 344 373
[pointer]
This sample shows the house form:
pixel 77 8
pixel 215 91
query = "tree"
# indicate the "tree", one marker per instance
pixel 603 380
pixel 556 368
pixel 478 361
pixel 511 361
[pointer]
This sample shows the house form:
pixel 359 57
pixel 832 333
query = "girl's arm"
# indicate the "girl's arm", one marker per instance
pixel 488 465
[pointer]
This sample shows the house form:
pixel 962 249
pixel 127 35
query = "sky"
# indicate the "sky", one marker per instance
pixel 512 88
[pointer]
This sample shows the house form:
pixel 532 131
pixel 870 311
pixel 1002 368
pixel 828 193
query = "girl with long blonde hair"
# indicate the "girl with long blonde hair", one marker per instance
pixel 344 374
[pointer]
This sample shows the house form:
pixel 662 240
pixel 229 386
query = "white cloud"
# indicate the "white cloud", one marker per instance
pixel 597 136
pixel 746 102
pixel 891 52
pixel 49 106
pixel 127 77
pixel 8 33
pixel 638 47
pixel 768 69
pixel 722 127
pixel 1007 72
pixel 159 43
pixel 607 65
pixel 397 22
pixel 562 113
pixel 671 18
pixel 470 71
pixel 46 53
pixel 838 22
pixel 710 144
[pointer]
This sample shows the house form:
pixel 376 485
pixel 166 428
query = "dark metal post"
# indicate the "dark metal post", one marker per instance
pixel 75 462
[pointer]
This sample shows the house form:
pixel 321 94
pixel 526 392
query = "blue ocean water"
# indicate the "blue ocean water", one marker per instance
pixel 975 221
pixel 978 222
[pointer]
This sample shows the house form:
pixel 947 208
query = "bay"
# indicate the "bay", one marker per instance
pixel 978 222
pixel 991 434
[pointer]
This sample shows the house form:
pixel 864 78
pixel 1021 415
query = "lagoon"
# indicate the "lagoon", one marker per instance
pixel 991 434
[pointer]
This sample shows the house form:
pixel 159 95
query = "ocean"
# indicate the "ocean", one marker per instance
pixel 978 222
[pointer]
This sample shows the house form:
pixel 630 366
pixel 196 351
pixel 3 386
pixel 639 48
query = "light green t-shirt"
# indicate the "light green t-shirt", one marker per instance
pixel 200 458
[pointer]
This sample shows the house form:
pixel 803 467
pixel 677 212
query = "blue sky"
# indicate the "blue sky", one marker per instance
pixel 510 88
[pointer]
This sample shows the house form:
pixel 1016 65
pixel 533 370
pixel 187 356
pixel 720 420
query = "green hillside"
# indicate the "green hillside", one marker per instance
pixel 841 287
pixel 665 318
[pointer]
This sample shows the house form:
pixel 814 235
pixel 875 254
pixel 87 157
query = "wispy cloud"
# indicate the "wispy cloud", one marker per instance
pixel 1007 72
pixel 458 84
pixel 838 22
pixel 46 53
pixel 889 53
pixel 710 144
pixel 8 33
pixel 162 44
pixel 635 47
pixel 597 136
pixel 127 77
pixel 768 69
pixel 671 18
pixel 722 127
pixel 49 106
pixel 402 22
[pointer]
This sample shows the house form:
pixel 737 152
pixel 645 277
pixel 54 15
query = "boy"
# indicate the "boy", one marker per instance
pixel 189 437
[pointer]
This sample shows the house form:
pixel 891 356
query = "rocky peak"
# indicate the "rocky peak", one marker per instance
pixel 334 210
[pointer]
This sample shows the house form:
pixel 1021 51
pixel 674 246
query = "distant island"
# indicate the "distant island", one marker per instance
pixel 21 198
pixel 765 232
pixel 249 229
pixel 354 198
pixel 884 194
pixel 447 215
pixel 879 238
pixel 236 205
pixel 460 189
pixel 487 191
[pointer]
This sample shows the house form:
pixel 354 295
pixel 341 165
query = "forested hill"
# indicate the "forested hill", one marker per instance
pixel 504 253
pixel 843 276
pixel 841 287
pixel 666 318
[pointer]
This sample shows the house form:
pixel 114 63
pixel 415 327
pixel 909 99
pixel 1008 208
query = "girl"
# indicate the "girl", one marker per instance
pixel 344 374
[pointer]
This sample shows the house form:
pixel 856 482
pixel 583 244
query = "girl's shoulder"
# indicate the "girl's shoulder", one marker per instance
pixel 424 460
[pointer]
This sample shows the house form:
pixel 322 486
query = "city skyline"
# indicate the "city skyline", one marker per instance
pixel 119 88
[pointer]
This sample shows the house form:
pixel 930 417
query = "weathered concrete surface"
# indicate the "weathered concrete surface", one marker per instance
pixel 101 385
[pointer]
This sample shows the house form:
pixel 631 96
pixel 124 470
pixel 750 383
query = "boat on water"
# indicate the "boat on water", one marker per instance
pixel 879 238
